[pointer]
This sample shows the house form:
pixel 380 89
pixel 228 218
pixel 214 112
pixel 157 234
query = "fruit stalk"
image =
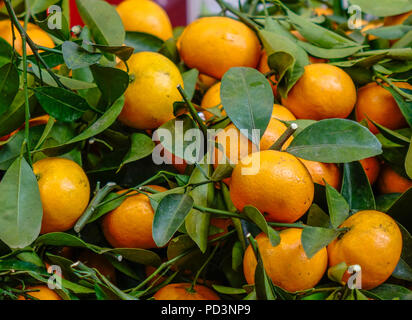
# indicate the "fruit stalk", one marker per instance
pixel 284 137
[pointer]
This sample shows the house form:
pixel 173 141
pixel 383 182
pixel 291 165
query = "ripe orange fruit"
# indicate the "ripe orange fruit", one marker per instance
pixel 280 186
pixel 43 293
pixel 328 171
pixel 152 91
pixel 378 104
pixel 180 291
pixel 397 19
pixel 99 262
pixel 35 33
pixel 286 264
pixel 130 224
pixel 323 11
pixel 145 16
pixel 372 168
pixel 374 241
pixel 324 91
pixel 281 113
pixel 264 68
pixel 211 99
pixel 213 45
pixel 64 191
pixel 369 26
pixel 273 132
pixel 205 81
pixel 389 181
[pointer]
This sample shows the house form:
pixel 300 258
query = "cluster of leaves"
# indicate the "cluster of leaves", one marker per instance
pixel 83 94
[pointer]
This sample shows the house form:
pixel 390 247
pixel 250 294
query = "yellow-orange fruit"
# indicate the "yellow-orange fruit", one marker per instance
pixel 181 291
pixel 42 293
pixel 286 264
pixel 328 171
pixel 374 241
pixel 372 168
pixel 389 181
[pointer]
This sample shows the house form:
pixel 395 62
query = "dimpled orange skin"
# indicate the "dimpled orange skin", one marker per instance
pixel 374 242
pixel 282 189
pixel 211 99
pixel 145 16
pixel 44 293
pixel 179 291
pixel 328 171
pixel 39 37
pixel 378 105
pixel 213 45
pixel 286 264
pixel 324 91
pixel 64 192
pixel 389 181
pixel 372 168
pixel 281 113
pixel 150 96
pixel 130 224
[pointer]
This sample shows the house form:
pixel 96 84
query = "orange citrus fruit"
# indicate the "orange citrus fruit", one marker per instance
pixel 397 19
pixel 145 16
pixel 372 168
pixel 64 191
pixel 281 113
pixel 181 291
pixel 377 103
pixel 328 171
pixel 42 293
pixel 286 264
pixel 274 182
pixel 373 241
pixel 389 181
pixel 211 99
pixel 130 224
pixel 324 91
pixel 213 45
pixel 39 37
pixel 152 91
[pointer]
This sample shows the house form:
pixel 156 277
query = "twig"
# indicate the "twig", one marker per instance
pixel 30 42
pixel 284 137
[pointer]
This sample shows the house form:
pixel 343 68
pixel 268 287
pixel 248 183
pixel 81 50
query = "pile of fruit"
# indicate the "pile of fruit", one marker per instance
pixel 262 153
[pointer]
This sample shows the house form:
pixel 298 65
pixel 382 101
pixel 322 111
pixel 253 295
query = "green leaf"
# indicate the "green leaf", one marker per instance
pixel 335 141
pixel 169 50
pixel 112 82
pixel 77 57
pixel 383 8
pixel 141 146
pixel 21 211
pixel 103 20
pixel 61 32
pixel 122 52
pixel 9 85
pixel 247 98
pixel 37 6
pixel 189 80
pixel 390 32
pixel 285 57
pixel 137 255
pixel 317 217
pixel 140 41
pixel 263 284
pixel 385 201
pixel 318 35
pixel 169 216
pixel 314 239
pixel 404 106
pixel 391 135
pixel 403 271
pixel 356 188
pixel 257 217
pixel 400 209
pixel 333 53
pixel 408 161
pixel 61 104
pixel 338 207
pixel 387 291
pixel 197 223
pixel 228 290
pixel 6 52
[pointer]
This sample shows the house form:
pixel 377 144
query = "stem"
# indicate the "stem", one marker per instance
pixel 100 195
pixel 253 6
pixel 49 49
pixel 30 42
pixel 284 137
pixel 191 289
pixel 390 83
pixel 242 17
pixel 192 110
